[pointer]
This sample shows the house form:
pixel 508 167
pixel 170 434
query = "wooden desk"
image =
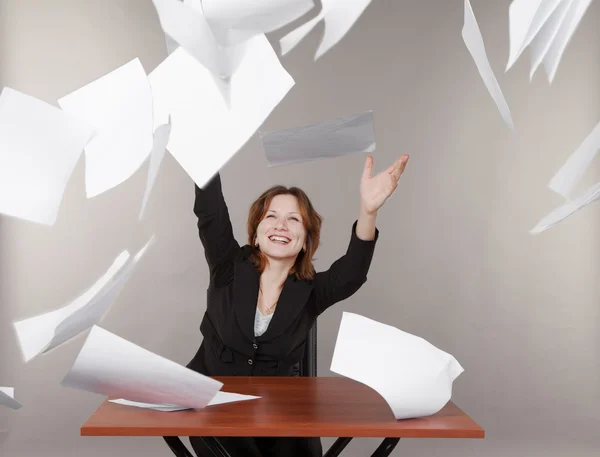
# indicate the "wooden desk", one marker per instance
pixel 290 406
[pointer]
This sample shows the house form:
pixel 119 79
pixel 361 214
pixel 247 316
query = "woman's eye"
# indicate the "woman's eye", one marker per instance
pixel 270 215
pixel 294 219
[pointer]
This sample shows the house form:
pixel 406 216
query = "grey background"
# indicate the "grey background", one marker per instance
pixel 455 263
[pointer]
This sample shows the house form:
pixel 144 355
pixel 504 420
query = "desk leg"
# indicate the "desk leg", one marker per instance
pixel 386 447
pixel 337 447
pixel 215 447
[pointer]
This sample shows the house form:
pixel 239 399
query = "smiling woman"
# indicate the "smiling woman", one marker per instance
pixel 263 298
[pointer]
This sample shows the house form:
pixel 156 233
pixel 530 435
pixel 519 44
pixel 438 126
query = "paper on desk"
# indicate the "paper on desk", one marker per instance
pixel 220 398
pixel 339 17
pixel 206 132
pixel 7 398
pixel 112 366
pixel 186 24
pixel 526 18
pixel 546 36
pixel 234 21
pixel 474 42
pixel 119 106
pixel 161 138
pixel 413 376
pixel 574 15
pixel 336 138
pixel 40 334
pixel 565 210
pixel 565 179
pixel 39 149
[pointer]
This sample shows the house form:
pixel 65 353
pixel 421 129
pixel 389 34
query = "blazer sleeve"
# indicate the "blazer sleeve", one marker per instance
pixel 346 275
pixel 215 231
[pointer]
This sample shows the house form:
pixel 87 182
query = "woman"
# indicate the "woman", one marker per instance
pixel 263 298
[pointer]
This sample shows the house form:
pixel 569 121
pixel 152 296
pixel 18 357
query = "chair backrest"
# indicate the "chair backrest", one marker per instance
pixel 307 367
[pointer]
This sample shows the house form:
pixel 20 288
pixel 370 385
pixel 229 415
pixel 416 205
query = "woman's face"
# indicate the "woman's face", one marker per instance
pixel 281 234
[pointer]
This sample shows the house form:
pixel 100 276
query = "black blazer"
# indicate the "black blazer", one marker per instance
pixel 229 347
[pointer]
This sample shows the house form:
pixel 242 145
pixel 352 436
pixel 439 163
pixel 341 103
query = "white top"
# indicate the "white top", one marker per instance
pixel 261 322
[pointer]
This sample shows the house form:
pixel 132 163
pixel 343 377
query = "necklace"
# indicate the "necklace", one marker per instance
pixel 269 309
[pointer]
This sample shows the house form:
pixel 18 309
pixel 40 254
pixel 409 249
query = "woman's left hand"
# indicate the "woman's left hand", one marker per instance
pixel 375 190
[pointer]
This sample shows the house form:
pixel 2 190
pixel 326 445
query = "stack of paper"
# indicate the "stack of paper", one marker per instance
pixel 219 399
pixel 413 376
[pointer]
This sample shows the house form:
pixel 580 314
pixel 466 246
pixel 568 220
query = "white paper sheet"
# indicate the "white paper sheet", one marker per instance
pixel 161 138
pixel 413 376
pixel 324 140
pixel 112 366
pixel 39 149
pixel 7 398
pixel 119 106
pixel 474 42
pixel 544 39
pixel 186 24
pixel 220 398
pixel 40 334
pixel 339 17
pixel 234 21
pixel 562 38
pixel 565 179
pixel 565 210
pixel 206 132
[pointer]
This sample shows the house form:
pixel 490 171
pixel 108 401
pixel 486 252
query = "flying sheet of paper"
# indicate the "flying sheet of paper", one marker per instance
pixel 546 36
pixel 413 376
pixel 336 138
pixel 220 398
pixel 234 21
pixel 186 24
pixel 565 210
pixel 565 179
pixel 526 17
pixel 474 42
pixel 7 398
pixel 40 334
pixel 562 38
pixel 40 146
pixel 339 17
pixel 119 106
pixel 206 132
pixel 112 366
pixel 161 138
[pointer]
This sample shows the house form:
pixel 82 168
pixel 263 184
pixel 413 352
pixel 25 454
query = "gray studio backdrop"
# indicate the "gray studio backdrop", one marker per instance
pixel 454 264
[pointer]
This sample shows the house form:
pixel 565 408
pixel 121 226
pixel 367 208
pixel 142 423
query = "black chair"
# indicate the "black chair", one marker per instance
pixel 306 367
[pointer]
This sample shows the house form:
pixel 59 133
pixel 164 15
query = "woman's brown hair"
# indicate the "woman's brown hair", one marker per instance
pixel 303 268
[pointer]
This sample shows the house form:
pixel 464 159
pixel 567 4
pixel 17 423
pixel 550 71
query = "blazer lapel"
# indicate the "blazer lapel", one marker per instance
pixel 294 296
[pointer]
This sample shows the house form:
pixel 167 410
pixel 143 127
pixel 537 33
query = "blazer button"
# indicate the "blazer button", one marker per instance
pixel 255 346
pixel 250 362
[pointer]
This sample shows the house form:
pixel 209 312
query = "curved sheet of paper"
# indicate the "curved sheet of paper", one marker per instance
pixel 339 17
pixel 565 179
pixel 39 149
pixel 542 43
pixel 112 366
pixel 525 18
pixel 185 23
pixel 474 42
pixel 161 138
pixel 40 334
pixel 413 376
pixel 336 138
pixel 570 207
pixel 7 398
pixel 562 38
pixel 119 106
pixel 219 399
pixel 234 21
pixel 206 132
